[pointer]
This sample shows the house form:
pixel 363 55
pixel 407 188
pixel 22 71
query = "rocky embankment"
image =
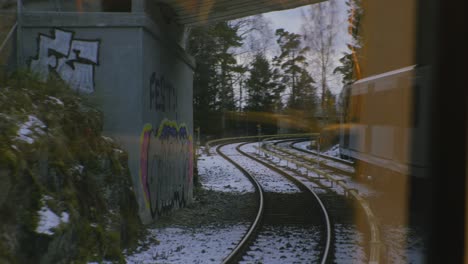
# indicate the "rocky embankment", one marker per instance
pixel 65 190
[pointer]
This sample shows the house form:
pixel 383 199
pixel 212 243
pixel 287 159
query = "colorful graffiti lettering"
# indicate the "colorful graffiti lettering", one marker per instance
pixel 144 143
pixel 72 59
pixel 166 166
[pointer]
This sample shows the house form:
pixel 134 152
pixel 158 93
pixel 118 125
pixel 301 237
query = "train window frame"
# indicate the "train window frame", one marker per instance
pixel 442 197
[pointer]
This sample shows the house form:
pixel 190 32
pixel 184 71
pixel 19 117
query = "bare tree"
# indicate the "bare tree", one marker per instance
pixel 321 26
pixel 257 34
pixel 257 37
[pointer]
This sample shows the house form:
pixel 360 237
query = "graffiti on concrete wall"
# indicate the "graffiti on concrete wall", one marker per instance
pixel 162 94
pixel 166 166
pixel 72 59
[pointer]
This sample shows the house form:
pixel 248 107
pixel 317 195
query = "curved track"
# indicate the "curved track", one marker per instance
pixel 342 161
pixel 240 249
pixel 326 162
pixel 298 209
pixel 281 153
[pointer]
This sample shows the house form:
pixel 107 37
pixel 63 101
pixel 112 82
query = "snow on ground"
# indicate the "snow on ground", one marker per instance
pixel 218 174
pixel 268 179
pixel 328 162
pixel 251 148
pixel 285 244
pixel 77 168
pixel 207 244
pixel 48 220
pixel 348 244
pixel 303 145
pixel 212 243
pixel 29 128
pixel 55 100
pixel 403 245
pixel 333 151
pixel 363 190
pixel 349 241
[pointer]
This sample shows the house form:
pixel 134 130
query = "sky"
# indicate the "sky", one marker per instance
pixel 291 20
pixel 287 19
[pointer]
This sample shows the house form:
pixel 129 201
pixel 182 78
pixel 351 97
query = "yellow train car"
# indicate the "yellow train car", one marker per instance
pixel 378 124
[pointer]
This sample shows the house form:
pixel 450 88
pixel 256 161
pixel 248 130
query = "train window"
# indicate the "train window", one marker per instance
pixel 189 131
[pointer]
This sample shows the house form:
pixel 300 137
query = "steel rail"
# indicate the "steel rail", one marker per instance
pixel 299 184
pixel 321 155
pixel 375 239
pixel 213 142
pixel 310 159
pixel 238 250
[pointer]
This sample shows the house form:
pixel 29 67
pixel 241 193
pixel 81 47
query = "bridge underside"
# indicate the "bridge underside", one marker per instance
pixel 194 12
pixel 127 57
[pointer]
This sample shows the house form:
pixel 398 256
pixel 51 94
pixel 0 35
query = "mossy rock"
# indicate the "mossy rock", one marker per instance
pixel 67 160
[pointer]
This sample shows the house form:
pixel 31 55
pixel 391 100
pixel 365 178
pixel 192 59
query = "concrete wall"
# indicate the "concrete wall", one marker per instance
pixel 142 81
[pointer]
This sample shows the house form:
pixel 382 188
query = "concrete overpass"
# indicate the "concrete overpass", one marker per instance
pixel 193 12
pixel 128 58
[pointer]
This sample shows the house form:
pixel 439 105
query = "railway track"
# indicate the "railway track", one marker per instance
pixel 327 163
pixel 299 209
pixel 348 197
pixel 314 153
pixel 375 243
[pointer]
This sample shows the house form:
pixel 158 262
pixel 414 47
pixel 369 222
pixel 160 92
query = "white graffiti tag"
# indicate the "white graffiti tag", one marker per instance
pixel 73 60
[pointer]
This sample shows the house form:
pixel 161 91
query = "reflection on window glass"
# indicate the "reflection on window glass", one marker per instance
pixel 138 131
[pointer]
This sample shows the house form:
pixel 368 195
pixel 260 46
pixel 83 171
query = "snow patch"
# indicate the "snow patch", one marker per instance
pixel 218 174
pixel 270 180
pixel 333 151
pixel 118 150
pixel 404 245
pixel 207 244
pixel 107 138
pixel 285 244
pixel 77 168
pixel 48 220
pixel 55 100
pixel 29 128
pixel 305 145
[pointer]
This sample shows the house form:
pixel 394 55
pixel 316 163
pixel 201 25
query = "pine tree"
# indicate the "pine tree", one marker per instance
pixel 349 67
pixel 215 73
pixel 227 38
pixel 291 61
pixel 306 93
pixel 263 90
pixel 201 46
